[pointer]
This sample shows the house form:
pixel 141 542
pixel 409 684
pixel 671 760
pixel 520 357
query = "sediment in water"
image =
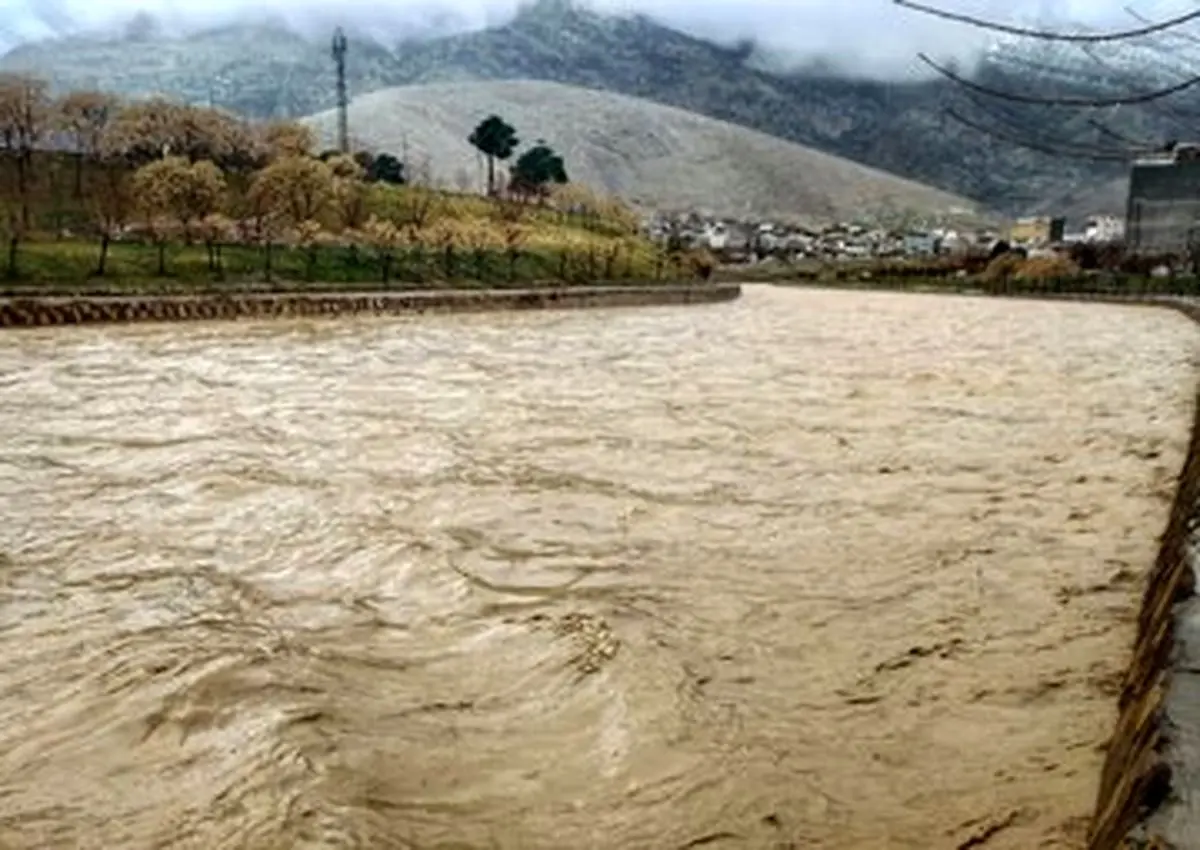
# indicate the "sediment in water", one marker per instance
pixel 43 311
pixel 1149 794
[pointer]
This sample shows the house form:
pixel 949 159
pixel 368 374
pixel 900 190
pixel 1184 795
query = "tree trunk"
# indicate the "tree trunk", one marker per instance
pixel 267 261
pixel 23 186
pixel 387 268
pixel 78 176
pixel 162 259
pixel 14 244
pixel 491 187
pixel 102 264
pixel 212 255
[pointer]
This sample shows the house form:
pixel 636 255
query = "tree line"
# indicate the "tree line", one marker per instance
pixel 162 172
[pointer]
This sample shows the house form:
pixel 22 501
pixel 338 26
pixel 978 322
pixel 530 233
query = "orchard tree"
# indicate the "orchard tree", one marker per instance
pixel 481 235
pixel 301 188
pixel 217 136
pixel 142 132
pixel 284 196
pixel 516 234
pixel 283 139
pixel 111 204
pixel 84 116
pixel 265 219
pixel 496 140
pixel 186 192
pixel 216 229
pixel 349 192
pixel 444 235
pixel 386 238
pixel 13 232
pixel 308 237
pixel 25 112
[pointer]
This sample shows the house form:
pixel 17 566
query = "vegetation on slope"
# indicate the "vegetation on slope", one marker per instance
pixel 653 155
pixel 96 194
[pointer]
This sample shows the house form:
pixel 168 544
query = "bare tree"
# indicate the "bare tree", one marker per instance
pixel 84 116
pixel 25 111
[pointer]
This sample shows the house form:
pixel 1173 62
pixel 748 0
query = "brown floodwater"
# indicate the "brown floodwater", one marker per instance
pixel 812 569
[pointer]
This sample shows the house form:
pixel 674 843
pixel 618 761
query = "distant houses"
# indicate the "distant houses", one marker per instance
pixel 755 240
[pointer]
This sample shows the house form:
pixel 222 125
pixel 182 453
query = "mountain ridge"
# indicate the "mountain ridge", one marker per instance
pixel 899 127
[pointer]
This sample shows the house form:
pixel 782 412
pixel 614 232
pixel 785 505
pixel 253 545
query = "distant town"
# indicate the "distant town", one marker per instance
pixel 737 241
pixel 1162 220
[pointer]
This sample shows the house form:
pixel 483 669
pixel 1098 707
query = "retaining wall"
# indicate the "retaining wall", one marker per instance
pixel 1150 787
pixel 42 311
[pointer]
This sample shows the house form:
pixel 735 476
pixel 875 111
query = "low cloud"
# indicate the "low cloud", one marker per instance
pixel 872 37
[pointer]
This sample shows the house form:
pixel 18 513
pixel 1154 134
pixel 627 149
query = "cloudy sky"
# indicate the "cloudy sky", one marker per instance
pixel 873 33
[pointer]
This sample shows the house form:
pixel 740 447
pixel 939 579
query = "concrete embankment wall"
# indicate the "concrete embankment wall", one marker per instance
pixel 1150 786
pixel 43 311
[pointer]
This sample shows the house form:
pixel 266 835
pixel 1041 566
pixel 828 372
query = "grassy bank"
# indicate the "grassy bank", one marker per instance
pixel 103 226
pixel 68 267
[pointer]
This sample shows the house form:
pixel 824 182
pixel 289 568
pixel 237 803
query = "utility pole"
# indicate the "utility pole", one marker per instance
pixel 343 103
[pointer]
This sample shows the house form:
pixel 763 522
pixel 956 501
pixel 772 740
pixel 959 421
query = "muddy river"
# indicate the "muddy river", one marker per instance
pixel 807 570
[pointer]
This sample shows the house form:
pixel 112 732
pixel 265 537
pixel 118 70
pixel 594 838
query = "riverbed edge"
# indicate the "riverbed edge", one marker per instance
pixel 52 310
pixel 1149 795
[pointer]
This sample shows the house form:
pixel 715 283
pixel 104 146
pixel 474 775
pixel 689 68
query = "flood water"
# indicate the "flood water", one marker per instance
pixel 811 569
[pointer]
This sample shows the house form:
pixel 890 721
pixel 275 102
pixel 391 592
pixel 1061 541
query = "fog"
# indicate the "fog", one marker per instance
pixel 874 36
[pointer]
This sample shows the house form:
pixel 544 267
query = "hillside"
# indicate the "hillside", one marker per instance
pixel 656 156
pixel 898 127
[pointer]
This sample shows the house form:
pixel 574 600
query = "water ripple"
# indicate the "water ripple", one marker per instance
pixel 786 572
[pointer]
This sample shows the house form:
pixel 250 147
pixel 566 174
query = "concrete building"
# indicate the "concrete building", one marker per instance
pixel 1163 211
pixel 1038 230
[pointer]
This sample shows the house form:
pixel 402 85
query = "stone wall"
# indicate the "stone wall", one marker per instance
pixel 42 311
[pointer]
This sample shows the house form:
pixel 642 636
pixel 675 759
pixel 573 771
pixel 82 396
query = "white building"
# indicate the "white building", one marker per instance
pixel 1104 228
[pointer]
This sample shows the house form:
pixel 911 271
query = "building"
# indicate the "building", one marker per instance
pixel 1103 228
pixel 921 244
pixel 1038 230
pixel 1163 211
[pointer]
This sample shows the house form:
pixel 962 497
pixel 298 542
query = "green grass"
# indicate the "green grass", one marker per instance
pixel 68 268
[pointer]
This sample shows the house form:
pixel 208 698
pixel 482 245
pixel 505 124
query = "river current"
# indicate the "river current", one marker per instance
pixel 811 569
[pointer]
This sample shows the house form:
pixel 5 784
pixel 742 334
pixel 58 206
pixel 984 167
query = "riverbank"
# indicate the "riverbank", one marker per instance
pixel 45 311
pixel 1152 769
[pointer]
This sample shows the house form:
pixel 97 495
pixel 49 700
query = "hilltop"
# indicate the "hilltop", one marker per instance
pixel 262 70
pixel 655 156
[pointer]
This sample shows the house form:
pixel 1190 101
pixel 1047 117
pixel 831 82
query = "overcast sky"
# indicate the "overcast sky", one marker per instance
pixel 870 33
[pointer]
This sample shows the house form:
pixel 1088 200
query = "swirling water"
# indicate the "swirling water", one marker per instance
pixel 812 569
